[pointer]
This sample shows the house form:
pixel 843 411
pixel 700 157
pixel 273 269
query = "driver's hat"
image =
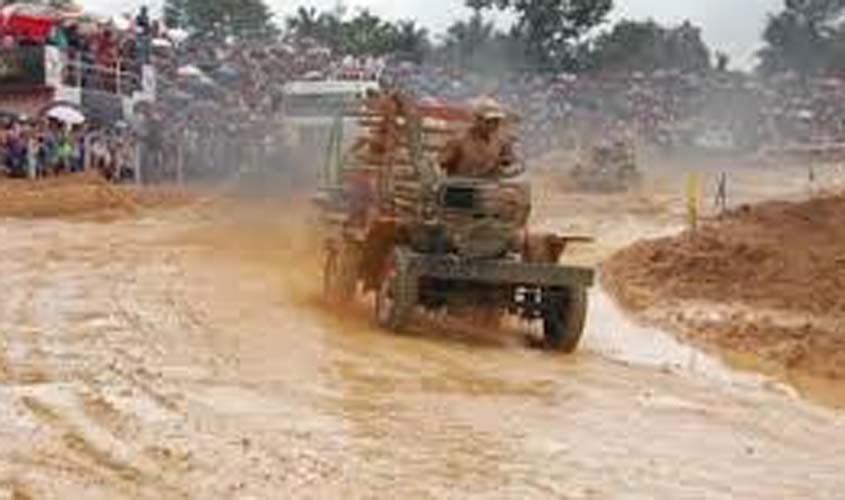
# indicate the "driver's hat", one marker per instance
pixel 487 108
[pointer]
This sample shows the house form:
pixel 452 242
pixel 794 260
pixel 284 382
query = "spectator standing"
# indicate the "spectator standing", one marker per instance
pixel 143 29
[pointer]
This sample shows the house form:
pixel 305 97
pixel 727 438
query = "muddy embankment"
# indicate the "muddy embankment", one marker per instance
pixel 764 285
pixel 81 194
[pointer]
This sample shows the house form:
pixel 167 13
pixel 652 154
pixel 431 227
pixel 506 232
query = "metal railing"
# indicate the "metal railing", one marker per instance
pixel 120 78
pixel 26 66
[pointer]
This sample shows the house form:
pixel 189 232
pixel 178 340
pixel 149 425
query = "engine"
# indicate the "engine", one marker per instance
pixel 481 217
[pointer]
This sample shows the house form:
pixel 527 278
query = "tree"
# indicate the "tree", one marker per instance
pixel 805 37
pixel 722 62
pixel 647 46
pixel 365 34
pixel 305 24
pixel 466 39
pixel 368 35
pixel 477 45
pixel 222 18
pixel 176 13
pixel 551 29
pixel 411 41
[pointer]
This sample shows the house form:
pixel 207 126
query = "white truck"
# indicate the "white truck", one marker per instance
pixel 310 108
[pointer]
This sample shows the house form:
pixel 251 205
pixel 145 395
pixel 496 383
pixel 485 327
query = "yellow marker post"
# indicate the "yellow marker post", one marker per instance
pixel 693 199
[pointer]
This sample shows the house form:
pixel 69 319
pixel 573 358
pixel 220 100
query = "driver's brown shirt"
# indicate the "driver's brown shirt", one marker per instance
pixel 476 156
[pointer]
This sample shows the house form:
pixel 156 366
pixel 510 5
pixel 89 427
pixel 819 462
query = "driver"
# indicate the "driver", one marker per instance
pixel 483 151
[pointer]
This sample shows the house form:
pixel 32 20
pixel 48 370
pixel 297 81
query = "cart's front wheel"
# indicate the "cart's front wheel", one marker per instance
pixel 564 318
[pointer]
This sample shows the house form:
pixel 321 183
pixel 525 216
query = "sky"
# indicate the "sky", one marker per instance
pixel 731 26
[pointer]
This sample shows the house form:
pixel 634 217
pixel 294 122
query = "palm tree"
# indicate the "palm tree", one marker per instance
pixel 331 30
pixel 465 39
pixel 476 5
pixel 305 24
pixel 411 41
pixel 367 34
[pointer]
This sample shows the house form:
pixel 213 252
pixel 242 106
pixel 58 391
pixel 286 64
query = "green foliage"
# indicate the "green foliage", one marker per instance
pixel 467 39
pixel 368 34
pixel 647 46
pixel 364 34
pixel 476 44
pixel 221 18
pixel 552 29
pixel 411 42
pixel 806 37
pixel 547 35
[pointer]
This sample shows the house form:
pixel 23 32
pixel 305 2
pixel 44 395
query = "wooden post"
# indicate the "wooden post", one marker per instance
pixel 693 199
pixel 137 162
pixel 180 162
pixel 722 192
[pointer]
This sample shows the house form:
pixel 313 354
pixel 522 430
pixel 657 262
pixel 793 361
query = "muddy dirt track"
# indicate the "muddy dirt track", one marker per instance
pixel 183 354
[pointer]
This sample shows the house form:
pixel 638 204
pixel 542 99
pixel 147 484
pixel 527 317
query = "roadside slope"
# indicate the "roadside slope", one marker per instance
pixel 80 194
pixel 763 284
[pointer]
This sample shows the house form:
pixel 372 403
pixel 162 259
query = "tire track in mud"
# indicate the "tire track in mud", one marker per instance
pixel 29 366
pixel 87 456
pixel 411 400
pixel 158 310
pixel 100 428
pixel 15 490
pixel 299 404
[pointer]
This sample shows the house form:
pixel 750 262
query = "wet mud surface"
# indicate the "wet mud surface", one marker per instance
pixel 184 354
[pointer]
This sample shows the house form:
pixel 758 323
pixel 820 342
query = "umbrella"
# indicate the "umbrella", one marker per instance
pixel 226 74
pixel 162 43
pixel 67 115
pixel 178 35
pixel 178 96
pixel 121 23
pixel 189 70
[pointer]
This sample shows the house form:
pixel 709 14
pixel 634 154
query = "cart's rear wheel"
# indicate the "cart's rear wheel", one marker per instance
pixel 394 301
pixel 564 319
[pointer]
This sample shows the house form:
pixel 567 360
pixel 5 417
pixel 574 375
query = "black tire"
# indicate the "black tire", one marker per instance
pixel 394 296
pixel 565 318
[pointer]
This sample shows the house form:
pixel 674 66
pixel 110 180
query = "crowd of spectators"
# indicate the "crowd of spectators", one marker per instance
pixel 98 54
pixel 667 110
pixel 218 102
pixel 38 148
pixel 102 54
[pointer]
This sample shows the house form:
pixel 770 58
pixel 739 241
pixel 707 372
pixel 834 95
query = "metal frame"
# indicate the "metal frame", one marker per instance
pixel 499 272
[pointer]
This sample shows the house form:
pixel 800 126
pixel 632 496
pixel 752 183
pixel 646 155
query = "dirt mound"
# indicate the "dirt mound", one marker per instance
pixel 776 255
pixel 776 272
pixel 77 194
